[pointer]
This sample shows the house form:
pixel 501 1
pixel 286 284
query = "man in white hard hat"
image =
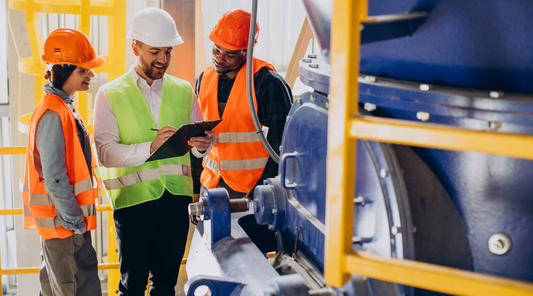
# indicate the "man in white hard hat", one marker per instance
pixel 149 199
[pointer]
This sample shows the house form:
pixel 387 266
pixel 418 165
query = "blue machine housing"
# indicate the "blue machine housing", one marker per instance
pixel 470 57
pixel 459 63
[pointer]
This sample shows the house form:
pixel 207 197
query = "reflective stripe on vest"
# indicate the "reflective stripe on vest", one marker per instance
pixel 27 212
pixel 46 200
pixel 148 175
pixel 82 186
pixel 175 169
pixel 40 200
pixel 211 164
pixel 88 210
pixel 236 165
pixel 249 137
pixel 52 222
pixel 133 178
pixel 245 164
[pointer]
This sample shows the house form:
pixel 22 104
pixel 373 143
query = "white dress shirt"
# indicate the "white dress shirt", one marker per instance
pixel 106 133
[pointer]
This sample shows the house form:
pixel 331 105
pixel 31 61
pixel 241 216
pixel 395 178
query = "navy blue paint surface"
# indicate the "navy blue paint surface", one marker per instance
pixel 484 44
pixel 492 193
pixel 306 134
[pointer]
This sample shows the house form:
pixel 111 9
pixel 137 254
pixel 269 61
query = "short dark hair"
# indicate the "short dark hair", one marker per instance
pixel 59 75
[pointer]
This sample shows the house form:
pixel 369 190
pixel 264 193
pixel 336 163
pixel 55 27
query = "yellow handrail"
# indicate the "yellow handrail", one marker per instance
pixel 115 10
pixel 440 136
pixel 345 127
pixel 13 150
pixel 29 270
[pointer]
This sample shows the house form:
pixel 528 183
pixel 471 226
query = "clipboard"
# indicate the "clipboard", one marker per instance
pixel 177 145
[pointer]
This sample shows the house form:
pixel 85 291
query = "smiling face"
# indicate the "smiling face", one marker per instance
pixel 227 61
pixel 79 80
pixel 152 62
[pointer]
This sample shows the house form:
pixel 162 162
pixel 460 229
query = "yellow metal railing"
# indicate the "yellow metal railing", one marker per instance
pixel 29 270
pixel 345 126
pixel 115 10
pixel 4 212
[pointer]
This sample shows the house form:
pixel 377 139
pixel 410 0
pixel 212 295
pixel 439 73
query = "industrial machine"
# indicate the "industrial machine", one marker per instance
pixel 457 63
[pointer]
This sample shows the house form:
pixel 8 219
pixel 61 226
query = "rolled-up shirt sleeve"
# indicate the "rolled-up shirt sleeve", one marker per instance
pixel 107 138
pixel 51 152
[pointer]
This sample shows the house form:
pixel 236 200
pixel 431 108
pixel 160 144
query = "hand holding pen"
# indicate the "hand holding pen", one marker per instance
pixel 161 137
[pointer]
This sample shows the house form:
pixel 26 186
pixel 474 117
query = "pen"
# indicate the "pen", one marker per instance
pixel 155 129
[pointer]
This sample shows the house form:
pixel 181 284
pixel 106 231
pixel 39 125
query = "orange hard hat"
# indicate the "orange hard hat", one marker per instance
pixel 71 47
pixel 233 29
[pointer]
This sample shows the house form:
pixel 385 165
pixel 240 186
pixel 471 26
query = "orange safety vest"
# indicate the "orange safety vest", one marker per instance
pixel 237 154
pixel 39 210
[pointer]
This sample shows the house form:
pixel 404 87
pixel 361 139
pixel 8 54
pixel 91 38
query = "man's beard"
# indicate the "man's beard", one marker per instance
pixel 148 70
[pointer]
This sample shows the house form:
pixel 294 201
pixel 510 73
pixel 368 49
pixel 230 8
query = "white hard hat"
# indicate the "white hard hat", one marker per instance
pixel 155 27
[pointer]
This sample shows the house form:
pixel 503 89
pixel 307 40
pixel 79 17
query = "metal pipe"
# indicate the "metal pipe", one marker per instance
pixel 249 84
pixel 239 205
pixel 236 205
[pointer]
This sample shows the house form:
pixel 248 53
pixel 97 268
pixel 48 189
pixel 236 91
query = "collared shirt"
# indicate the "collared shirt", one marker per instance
pixel 274 100
pixel 106 132
pixel 50 156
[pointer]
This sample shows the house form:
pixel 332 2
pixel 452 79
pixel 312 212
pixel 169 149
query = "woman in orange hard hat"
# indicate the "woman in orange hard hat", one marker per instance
pixel 59 189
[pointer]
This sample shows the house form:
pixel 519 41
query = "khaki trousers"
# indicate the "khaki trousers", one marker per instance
pixel 69 267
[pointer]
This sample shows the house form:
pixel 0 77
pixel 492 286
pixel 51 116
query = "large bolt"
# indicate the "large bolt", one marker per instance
pixel 196 209
pixel 370 78
pixel 493 125
pixel 499 243
pixel 370 107
pixel 422 116
pixel 395 230
pixel 359 200
pixel 495 94
pixel 424 87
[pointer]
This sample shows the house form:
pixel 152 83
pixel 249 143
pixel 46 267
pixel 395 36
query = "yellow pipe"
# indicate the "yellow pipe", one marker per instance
pixel 12 150
pixel 104 208
pixel 84 23
pixel 412 133
pixel 345 40
pixel 68 7
pixel 113 277
pixel 21 270
pixel 4 212
pixel 433 277
pixel 29 270
pixel 363 10
pixel 82 105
